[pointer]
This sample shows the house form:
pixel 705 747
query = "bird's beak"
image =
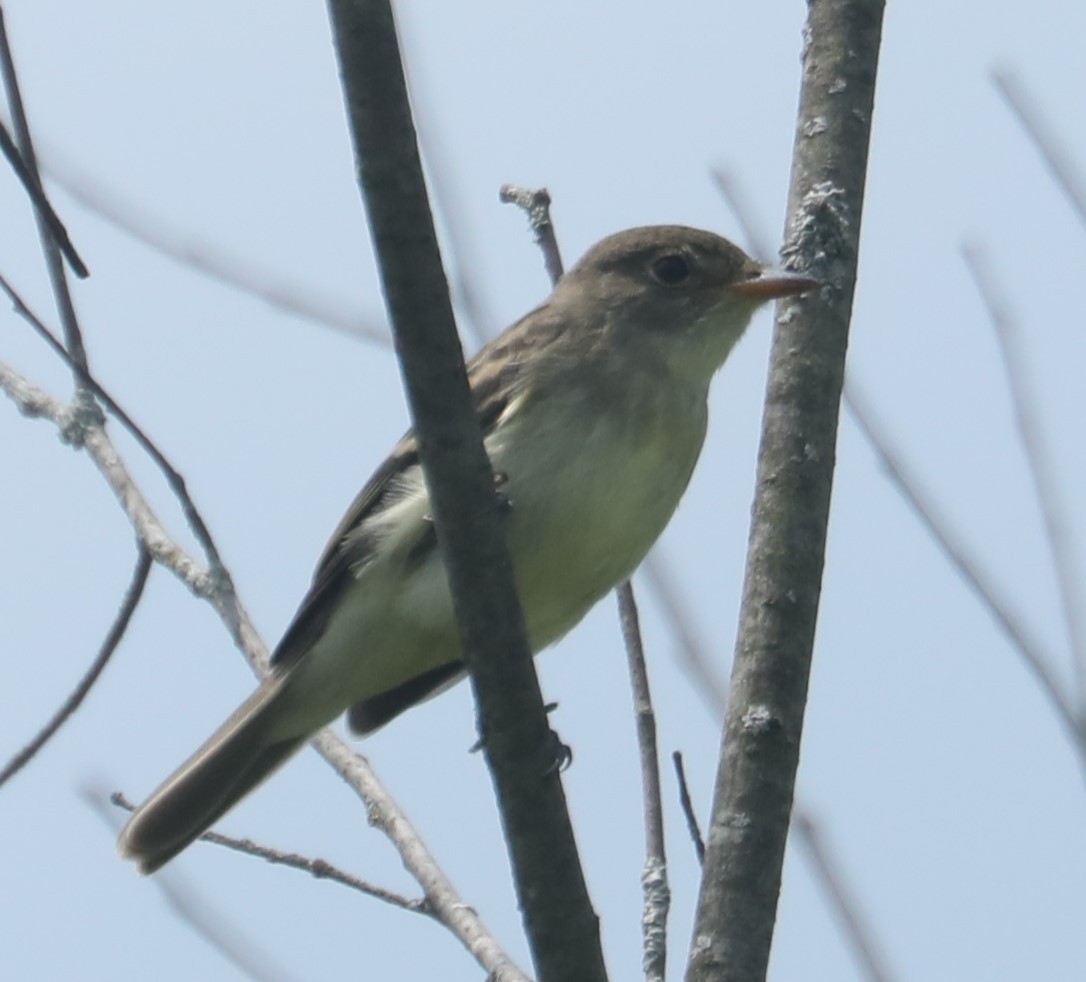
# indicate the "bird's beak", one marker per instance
pixel 772 283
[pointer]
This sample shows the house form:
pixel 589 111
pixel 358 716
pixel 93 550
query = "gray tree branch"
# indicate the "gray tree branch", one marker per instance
pixel 764 721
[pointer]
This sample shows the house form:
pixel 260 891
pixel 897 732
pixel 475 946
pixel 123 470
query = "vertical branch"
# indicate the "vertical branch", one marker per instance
pixel 562 928
pixel 73 337
pixel 756 778
pixel 657 895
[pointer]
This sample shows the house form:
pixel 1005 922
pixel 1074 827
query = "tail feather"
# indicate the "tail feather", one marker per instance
pixel 233 761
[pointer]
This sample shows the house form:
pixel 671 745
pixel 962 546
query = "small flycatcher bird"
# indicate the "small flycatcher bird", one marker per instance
pixel 593 409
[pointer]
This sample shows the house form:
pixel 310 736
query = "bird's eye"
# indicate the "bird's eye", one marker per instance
pixel 671 269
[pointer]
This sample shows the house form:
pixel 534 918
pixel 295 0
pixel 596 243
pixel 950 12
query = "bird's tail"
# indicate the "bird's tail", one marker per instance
pixel 235 759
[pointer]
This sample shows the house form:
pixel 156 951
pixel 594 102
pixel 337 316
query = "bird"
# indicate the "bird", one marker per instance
pixel 593 409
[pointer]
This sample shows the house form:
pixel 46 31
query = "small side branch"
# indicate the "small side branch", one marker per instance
pixel 120 624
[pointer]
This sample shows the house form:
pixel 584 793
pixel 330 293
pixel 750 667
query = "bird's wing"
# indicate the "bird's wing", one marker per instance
pixel 493 374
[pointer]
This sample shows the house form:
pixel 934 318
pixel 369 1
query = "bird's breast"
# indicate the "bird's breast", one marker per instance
pixel 589 492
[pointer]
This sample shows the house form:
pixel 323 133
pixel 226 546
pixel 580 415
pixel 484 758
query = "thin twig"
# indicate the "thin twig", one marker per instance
pixel 320 869
pixel 1041 472
pixel 848 911
pixel 51 246
pixel 1057 160
pixel 36 193
pixel 654 883
pixel 383 811
pixel 1033 653
pixel 447 905
pixel 109 645
pixel 688 807
pixel 537 204
pixel 23 161
pixel 173 476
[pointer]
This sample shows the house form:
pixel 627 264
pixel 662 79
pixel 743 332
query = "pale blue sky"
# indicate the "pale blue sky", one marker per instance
pixel 943 781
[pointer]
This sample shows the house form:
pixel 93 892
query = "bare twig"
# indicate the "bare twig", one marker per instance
pixel 1029 116
pixel 688 806
pixel 1041 472
pixel 173 476
pixel 1033 653
pixel 36 193
pixel 447 905
pixel 537 203
pixel 383 811
pixel 848 911
pixel 320 869
pixel 23 161
pixel 109 645
pixel 654 884
pixel 50 241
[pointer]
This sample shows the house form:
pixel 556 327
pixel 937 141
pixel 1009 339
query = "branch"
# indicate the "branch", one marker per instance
pixel 562 928
pixel 24 163
pixel 50 238
pixel 657 895
pixel 74 701
pixel 382 810
pixel 654 885
pixel 756 777
pixel 319 869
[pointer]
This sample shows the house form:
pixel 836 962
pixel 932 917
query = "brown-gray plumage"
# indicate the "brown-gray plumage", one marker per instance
pixel 593 410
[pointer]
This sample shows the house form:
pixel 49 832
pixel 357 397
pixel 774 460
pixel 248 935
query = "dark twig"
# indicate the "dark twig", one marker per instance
pixel 537 203
pixel 173 477
pixel 848 911
pixel 755 781
pixel 1029 116
pixel 563 930
pixel 654 884
pixel 383 811
pixel 52 242
pixel 1041 471
pixel 22 158
pixel 657 896
pixel 1032 651
pixel 688 807
pixel 320 869
pixel 36 193
pixel 109 645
